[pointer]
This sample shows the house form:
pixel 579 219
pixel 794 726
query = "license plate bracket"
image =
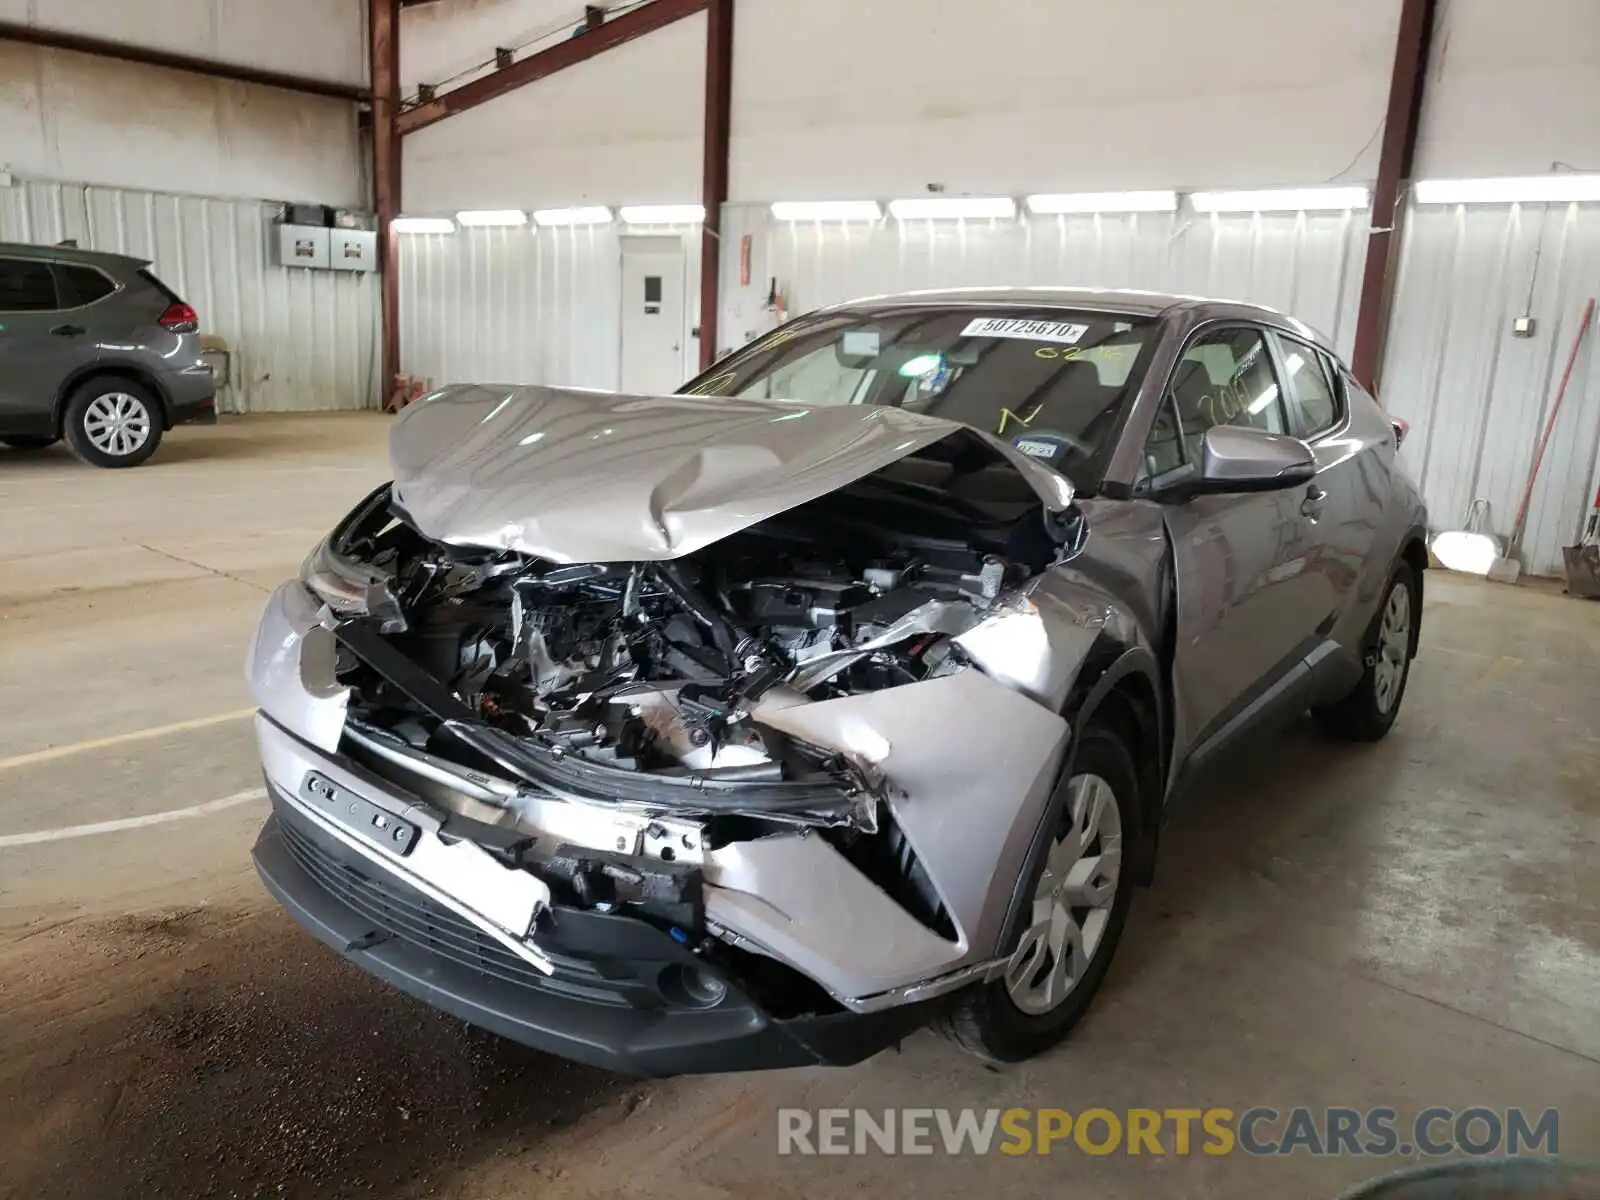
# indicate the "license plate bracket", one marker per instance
pixel 359 815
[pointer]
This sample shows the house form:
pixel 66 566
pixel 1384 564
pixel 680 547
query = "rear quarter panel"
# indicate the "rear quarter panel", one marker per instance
pixel 1384 511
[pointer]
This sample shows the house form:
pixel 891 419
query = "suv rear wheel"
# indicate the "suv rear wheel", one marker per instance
pixel 112 422
pixel 28 443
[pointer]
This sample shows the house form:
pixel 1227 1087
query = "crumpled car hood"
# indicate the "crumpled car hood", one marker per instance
pixel 573 475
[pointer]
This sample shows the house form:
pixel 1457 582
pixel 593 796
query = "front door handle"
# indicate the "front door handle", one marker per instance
pixel 1316 500
pixel 69 330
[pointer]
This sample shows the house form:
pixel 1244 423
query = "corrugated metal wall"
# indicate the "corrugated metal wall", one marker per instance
pixel 1308 264
pixel 518 305
pixel 1476 395
pixel 300 340
pixel 512 306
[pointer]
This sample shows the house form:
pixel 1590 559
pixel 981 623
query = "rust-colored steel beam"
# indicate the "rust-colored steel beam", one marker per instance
pixel 383 27
pixel 714 187
pixel 613 33
pixel 78 43
pixel 1400 127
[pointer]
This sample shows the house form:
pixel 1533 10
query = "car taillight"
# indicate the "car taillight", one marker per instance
pixel 180 318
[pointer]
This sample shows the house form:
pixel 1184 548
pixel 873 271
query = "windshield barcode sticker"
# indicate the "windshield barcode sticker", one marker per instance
pixel 1032 331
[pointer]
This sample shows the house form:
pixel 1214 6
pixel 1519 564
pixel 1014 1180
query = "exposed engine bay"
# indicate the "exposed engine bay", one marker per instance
pixel 642 683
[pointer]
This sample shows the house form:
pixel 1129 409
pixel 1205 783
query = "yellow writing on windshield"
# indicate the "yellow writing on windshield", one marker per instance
pixel 1007 415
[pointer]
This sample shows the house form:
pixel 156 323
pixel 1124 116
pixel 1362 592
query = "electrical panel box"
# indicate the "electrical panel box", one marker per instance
pixel 303 246
pixel 352 249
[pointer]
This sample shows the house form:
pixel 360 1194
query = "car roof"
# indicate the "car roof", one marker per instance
pixel 71 254
pixel 1123 301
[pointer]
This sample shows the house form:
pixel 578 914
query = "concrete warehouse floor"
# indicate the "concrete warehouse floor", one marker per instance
pixel 1410 924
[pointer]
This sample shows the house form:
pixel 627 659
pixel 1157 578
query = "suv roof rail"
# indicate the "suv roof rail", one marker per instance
pixel 70 254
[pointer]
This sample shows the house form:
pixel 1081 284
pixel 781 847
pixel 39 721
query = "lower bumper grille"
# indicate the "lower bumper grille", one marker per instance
pixel 401 912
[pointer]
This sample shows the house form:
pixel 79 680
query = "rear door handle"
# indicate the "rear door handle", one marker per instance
pixel 69 330
pixel 1315 501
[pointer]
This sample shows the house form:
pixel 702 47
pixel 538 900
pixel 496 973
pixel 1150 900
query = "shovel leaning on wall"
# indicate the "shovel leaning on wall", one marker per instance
pixel 1583 560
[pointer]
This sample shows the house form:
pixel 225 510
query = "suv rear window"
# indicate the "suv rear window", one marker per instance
pixel 150 277
pixel 26 285
pixel 83 285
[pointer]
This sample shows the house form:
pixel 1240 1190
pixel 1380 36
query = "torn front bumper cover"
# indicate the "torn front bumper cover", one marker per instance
pixel 791 898
pixel 622 994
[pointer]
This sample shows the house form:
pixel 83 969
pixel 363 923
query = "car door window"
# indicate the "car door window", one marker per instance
pixel 26 285
pixel 1225 377
pixel 1313 400
pixel 83 285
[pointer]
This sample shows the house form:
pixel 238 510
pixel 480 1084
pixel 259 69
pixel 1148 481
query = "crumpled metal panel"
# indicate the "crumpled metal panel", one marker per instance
pixel 300 340
pixel 973 768
pixel 576 476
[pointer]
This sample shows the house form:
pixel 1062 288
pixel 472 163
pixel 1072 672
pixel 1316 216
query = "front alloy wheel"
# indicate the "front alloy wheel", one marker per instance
pixel 1073 902
pixel 1070 928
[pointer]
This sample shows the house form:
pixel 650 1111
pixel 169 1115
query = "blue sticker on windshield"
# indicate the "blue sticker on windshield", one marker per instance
pixel 1041 446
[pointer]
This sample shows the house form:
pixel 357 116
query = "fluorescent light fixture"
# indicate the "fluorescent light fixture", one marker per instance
pixel 1533 189
pixel 493 216
pixel 938 208
pixel 662 214
pixel 1281 200
pixel 1103 202
pixel 596 214
pixel 423 225
pixel 827 210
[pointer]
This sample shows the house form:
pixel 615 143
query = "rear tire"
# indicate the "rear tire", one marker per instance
pixel 112 422
pixel 1369 710
pixel 28 443
pixel 1017 1016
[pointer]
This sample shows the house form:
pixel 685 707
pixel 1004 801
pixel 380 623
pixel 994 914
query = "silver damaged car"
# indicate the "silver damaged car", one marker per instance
pixel 842 692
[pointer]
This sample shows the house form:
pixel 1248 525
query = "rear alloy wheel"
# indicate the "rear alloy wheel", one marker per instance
pixel 1369 710
pixel 113 423
pixel 1073 924
pixel 28 443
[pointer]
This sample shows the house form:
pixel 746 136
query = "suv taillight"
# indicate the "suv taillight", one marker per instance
pixel 180 318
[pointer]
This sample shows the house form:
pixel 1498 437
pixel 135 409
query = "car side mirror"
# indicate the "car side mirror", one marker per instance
pixel 1241 459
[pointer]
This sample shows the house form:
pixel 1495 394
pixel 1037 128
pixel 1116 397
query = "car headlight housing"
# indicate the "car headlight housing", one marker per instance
pixel 336 578
pixel 338 583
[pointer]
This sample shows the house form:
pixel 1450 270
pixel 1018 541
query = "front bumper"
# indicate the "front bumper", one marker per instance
pixel 611 1002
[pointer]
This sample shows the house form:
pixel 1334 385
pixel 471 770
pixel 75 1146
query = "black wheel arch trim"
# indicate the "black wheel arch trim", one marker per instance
pixel 94 370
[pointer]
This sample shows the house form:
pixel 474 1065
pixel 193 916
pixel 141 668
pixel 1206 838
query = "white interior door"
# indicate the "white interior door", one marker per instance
pixel 652 314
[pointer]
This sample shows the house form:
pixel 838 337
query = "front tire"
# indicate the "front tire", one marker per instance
pixel 28 443
pixel 1082 890
pixel 1368 712
pixel 112 422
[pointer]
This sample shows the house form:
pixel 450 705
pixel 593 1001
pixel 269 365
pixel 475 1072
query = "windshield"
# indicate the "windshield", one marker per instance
pixel 1056 383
